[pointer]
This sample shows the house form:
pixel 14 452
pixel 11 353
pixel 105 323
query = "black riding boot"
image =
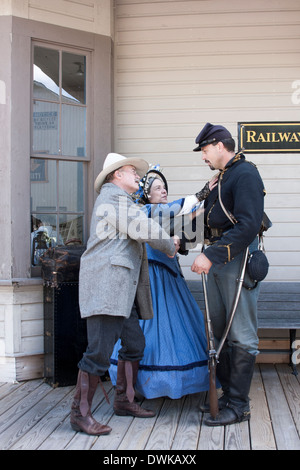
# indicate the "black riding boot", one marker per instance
pixel 237 408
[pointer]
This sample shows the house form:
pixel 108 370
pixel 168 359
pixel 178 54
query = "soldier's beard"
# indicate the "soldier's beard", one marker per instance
pixel 210 165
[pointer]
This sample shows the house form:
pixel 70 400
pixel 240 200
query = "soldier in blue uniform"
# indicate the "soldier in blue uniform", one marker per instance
pixel 242 194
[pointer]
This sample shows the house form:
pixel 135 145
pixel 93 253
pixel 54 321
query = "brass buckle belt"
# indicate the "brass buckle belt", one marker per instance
pixel 211 234
pixel 215 232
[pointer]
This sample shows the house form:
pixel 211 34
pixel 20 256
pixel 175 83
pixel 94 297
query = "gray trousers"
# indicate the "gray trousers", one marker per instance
pixel 221 284
pixel 103 331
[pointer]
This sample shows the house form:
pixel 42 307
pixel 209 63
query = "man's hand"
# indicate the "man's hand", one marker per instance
pixel 201 264
pixel 176 241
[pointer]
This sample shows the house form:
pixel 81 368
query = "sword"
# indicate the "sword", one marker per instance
pixel 240 281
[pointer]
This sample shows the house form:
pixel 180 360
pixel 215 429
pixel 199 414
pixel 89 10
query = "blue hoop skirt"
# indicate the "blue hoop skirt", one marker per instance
pixel 175 357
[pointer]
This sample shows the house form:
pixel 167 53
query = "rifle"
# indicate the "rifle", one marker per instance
pixel 212 357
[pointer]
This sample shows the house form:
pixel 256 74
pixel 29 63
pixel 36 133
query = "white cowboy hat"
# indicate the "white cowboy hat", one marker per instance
pixel 114 161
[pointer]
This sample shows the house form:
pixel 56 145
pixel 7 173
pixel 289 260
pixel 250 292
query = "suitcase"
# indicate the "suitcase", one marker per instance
pixel 65 336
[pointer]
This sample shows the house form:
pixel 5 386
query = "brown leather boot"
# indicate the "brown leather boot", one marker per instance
pixel 81 416
pixel 124 403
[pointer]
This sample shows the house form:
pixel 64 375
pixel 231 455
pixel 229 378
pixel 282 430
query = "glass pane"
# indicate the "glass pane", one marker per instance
pixel 46 74
pixel 73 123
pixel 73 78
pixel 45 128
pixel 43 185
pixel 43 235
pixel 71 228
pixel 71 186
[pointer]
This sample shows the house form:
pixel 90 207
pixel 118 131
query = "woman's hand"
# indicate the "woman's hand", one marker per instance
pixel 213 182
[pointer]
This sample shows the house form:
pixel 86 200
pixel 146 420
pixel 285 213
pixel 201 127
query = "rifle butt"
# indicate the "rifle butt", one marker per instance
pixel 213 396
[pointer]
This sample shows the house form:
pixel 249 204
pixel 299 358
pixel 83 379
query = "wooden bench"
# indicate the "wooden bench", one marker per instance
pixel 278 308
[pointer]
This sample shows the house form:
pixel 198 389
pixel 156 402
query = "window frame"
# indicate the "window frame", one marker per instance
pixel 61 48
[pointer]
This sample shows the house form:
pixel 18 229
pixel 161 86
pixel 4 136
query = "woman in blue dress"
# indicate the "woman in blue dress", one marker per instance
pixel 175 356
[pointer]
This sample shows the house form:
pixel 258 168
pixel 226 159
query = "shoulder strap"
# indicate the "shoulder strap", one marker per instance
pixel 227 213
pixel 266 223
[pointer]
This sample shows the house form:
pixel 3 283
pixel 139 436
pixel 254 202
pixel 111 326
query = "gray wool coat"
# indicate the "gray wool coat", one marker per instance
pixel 114 267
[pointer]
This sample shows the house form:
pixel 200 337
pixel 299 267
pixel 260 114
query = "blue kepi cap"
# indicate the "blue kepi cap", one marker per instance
pixel 209 134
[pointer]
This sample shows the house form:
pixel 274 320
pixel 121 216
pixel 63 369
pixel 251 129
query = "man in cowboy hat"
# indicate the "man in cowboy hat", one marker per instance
pixel 242 193
pixel 114 289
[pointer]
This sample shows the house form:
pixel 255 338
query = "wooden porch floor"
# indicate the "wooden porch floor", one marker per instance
pixel 35 416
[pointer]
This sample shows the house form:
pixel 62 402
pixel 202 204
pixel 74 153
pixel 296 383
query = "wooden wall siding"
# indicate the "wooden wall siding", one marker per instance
pixel 180 64
pixel 21 332
pixel 93 16
pixel 75 14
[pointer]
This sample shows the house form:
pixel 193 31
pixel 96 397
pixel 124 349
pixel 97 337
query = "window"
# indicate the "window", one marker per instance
pixel 59 151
